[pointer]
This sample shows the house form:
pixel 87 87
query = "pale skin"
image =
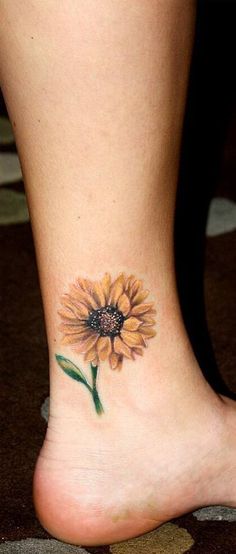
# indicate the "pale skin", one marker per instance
pixel 96 94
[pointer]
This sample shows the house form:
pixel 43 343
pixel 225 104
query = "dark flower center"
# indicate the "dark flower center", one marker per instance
pixel 108 321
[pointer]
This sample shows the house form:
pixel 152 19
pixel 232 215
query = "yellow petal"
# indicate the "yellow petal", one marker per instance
pixel 147 332
pixel 132 338
pixel 81 296
pixel 87 344
pixel 91 355
pixel 124 304
pixel 104 347
pixel 81 311
pixel 140 296
pixel 129 282
pixel 141 308
pixel 147 319
pixel 131 324
pixel 152 311
pixel 78 309
pixel 114 360
pixel 121 348
pixel 67 303
pixel 135 288
pixel 99 295
pixel 67 314
pixel 119 365
pixel 85 284
pixel 72 329
pixel 106 283
pixel 138 350
pixel 74 339
pixel 116 290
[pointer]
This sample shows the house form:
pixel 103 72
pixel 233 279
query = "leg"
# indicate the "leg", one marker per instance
pixel 96 93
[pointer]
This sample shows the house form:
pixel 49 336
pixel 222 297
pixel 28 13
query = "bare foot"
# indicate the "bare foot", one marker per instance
pixel 165 445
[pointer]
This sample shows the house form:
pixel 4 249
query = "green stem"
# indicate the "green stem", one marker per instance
pixel 94 371
pixel 96 399
pixel 97 402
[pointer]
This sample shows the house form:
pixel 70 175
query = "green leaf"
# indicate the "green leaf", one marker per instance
pixel 72 370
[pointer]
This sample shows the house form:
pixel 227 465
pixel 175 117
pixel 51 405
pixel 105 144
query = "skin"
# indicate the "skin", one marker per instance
pixel 96 94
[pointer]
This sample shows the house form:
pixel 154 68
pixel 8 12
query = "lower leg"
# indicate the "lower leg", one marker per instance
pixel 101 87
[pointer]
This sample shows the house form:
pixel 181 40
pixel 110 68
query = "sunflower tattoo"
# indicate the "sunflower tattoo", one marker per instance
pixel 104 320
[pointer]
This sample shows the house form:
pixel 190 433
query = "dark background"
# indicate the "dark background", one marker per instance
pixel 208 163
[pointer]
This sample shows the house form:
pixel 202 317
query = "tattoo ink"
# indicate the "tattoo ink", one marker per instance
pixel 105 321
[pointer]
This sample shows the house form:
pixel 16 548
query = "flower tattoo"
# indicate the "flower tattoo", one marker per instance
pixel 105 321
